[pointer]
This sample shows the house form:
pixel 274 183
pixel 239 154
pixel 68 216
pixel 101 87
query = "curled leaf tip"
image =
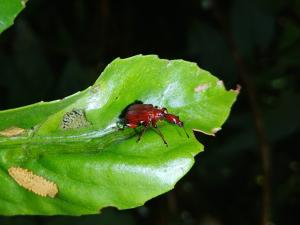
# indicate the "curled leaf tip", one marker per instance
pixel 215 130
pixel 204 132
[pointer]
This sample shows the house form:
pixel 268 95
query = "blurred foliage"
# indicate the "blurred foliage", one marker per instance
pixel 9 9
pixel 52 41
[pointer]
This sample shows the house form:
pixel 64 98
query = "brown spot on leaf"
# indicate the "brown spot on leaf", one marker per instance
pixel 12 132
pixel 237 89
pixel 201 87
pixel 37 184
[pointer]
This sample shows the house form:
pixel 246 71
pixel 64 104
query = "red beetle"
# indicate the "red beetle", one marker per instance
pixel 139 114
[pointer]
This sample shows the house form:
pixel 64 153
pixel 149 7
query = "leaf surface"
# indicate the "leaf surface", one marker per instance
pixel 74 142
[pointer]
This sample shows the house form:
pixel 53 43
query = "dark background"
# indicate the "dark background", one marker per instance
pixel 252 167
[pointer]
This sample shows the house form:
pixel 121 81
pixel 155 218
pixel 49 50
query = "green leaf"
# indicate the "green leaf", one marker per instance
pixel 9 9
pixel 92 163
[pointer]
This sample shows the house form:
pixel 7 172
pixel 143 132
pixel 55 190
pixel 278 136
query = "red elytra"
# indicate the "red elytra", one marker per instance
pixel 147 115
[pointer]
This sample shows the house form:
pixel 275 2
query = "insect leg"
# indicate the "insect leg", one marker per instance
pixel 142 133
pixel 185 132
pixel 161 135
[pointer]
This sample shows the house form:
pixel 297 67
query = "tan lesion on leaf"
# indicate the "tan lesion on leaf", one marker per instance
pixel 12 132
pixel 32 182
pixel 201 87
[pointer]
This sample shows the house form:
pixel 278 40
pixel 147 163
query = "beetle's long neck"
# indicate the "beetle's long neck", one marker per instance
pixel 175 120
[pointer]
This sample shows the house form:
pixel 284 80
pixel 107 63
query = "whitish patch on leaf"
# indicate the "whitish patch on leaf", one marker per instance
pixel 74 119
pixel 12 132
pixel 220 83
pixel 32 182
pixel 201 87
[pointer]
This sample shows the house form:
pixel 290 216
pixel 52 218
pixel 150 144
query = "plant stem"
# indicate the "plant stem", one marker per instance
pixel 264 147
